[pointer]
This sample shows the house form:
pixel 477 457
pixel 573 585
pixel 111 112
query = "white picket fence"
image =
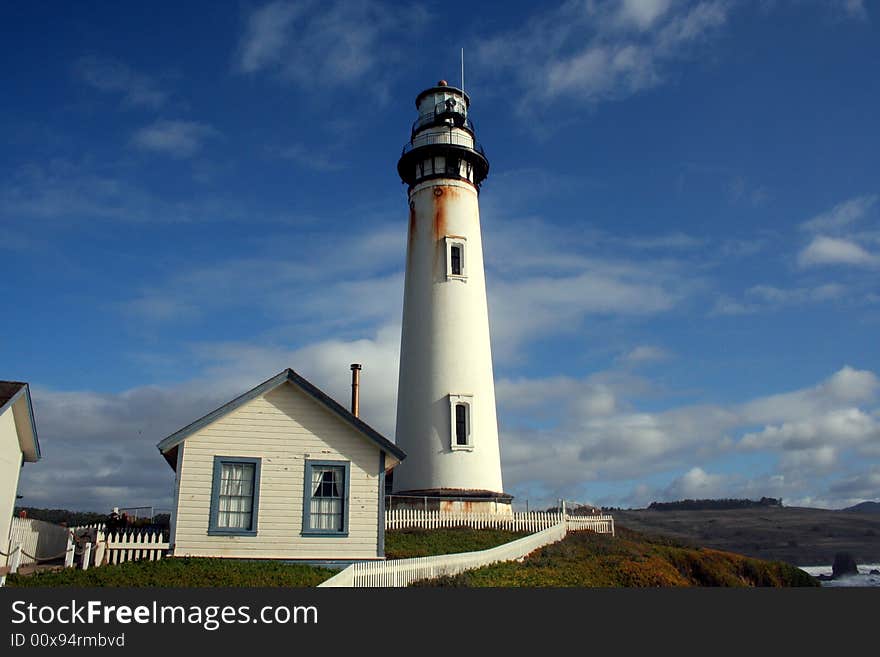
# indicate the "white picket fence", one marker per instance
pixel 120 547
pixel 402 572
pixel 601 524
pixel 549 528
pixel 530 522
pixel 38 540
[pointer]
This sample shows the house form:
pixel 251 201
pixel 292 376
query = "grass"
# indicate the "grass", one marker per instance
pixel 182 572
pixel 206 572
pixel 584 559
pixel 405 543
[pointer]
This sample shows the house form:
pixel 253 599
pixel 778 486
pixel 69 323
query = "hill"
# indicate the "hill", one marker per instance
pixel 863 507
pixel 796 535
pixel 630 559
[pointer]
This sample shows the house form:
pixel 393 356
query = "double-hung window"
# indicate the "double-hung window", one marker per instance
pixel 325 502
pixel 235 496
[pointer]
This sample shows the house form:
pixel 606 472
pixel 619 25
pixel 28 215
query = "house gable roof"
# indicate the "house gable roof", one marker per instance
pixel 286 376
pixel 17 396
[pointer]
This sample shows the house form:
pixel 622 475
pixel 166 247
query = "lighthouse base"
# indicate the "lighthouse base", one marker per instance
pixel 451 500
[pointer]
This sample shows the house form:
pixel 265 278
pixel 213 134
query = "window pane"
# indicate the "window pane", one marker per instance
pixel 236 497
pixel 326 507
pixel 456 260
pixel 461 424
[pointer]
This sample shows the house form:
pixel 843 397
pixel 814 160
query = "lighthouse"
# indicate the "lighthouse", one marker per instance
pixel 446 420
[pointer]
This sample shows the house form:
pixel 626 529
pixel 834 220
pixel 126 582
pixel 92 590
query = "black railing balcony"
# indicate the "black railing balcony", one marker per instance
pixel 451 118
pixel 449 138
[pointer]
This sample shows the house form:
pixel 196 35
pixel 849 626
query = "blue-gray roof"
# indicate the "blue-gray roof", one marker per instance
pixel 310 389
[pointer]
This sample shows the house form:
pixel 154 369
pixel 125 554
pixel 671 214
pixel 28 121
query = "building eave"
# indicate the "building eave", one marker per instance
pixel 25 425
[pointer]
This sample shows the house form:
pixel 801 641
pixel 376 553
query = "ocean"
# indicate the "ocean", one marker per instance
pixel 864 578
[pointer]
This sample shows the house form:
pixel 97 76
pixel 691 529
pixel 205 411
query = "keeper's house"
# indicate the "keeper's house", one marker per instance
pixel 18 445
pixel 281 472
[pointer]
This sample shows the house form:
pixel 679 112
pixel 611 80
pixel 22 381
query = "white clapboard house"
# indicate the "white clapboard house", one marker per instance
pixel 281 472
pixel 18 445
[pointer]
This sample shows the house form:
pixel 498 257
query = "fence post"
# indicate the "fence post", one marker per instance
pixel 100 548
pixel 15 558
pixel 87 555
pixel 68 558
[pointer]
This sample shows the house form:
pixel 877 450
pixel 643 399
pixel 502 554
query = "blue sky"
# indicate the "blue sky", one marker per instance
pixel 681 227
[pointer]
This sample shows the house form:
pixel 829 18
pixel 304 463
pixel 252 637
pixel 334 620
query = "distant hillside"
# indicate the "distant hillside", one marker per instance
pixel 864 507
pixel 799 536
pixel 715 505
pixel 629 559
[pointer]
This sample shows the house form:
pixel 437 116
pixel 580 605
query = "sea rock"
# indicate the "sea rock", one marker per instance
pixel 844 564
pixel 874 571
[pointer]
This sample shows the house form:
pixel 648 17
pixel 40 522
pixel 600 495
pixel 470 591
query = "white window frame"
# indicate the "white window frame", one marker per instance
pixel 461 243
pixel 468 401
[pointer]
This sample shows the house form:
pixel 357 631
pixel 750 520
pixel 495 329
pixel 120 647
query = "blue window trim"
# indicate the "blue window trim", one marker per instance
pixel 307 497
pixel 213 529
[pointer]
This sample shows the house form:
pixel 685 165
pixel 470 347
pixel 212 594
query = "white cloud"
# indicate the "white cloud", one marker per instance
pixel 645 353
pixel 584 51
pixel 642 13
pixel 839 427
pixel 176 138
pixel 823 250
pixel 810 431
pixel 113 76
pixel 841 215
pixel 770 296
pixel 100 448
pixel 326 44
pixel 697 484
pixel 266 35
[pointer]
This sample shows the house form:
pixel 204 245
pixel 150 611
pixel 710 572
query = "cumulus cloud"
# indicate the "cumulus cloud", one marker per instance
pixel 810 431
pixel 100 448
pixel 823 250
pixel 834 240
pixel 176 138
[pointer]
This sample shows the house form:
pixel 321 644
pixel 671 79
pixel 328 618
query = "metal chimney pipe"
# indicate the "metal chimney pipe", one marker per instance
pixel 355 389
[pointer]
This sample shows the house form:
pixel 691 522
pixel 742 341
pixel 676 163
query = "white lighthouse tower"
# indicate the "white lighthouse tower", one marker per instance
pixel 446 418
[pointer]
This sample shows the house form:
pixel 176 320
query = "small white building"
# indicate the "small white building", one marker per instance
pixel 18 445
pixel 281 472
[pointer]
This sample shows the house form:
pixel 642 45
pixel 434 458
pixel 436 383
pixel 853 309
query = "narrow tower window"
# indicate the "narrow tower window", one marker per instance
pixel 456 259
pixel 461 422
pixel 461 432
pixel 456 262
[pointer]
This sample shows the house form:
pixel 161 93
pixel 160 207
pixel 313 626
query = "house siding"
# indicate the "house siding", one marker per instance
pixel 10 468
pixel 283 428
